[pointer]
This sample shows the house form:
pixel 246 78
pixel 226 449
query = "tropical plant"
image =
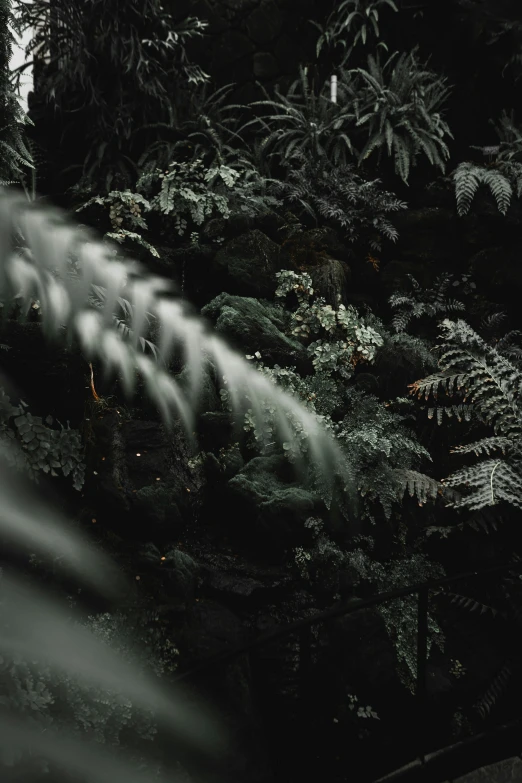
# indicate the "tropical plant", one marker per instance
pixel 339 194
pixel 42 448
pixel 349 16
pixel 185 189
pixel 45 646
pixel 307 122
pixel 210 126
pixel 399 105
pixel 13 147
pixel 428 301
pixel 382 453
pixel 59 265
pixel 63 287
pixel 469 176
pixel 124 206
pixel 196 192
pixel 144 58
pixel 503 174
pixel 492 383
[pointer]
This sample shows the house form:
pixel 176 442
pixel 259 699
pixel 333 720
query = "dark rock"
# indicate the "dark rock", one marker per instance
pixel 313 248
pixel 264 65
pixel 330 280
pixel 251 261
pixel 270 504
pixel 255 326
pixel 141 477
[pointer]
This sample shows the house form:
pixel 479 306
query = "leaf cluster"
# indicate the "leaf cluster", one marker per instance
pixel 481 373
pixel 339 194
pixel 399 104
pixel 348 17
pixel 306 122
pixel 40 447
pixel 83 41
pixel 503 174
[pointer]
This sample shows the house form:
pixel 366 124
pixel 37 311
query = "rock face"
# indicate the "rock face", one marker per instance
pixel 250 261
pixel 275 508
pixel 252 326
pixel 142 478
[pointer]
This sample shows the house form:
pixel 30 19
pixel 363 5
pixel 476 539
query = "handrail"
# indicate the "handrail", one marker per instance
pixel 352 605
pixel 304 626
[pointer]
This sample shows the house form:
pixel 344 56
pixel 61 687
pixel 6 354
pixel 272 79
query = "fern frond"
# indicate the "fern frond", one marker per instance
pixel 497 688
pixel 493 481
pixel 461 411
pixel 467 178
pixel 500 187
pixel 418 484
pixel 44 271
pixel 470 603
pixel 486 444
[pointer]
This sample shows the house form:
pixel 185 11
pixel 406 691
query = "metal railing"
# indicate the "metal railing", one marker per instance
pixel 304 628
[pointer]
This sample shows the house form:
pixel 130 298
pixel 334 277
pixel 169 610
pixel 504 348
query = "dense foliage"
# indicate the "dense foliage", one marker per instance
pixel 152 141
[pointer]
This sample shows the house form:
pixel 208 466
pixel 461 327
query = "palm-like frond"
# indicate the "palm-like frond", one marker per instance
pixel 62 267
pixel 399 105
pixel 306 122
pixel 44 271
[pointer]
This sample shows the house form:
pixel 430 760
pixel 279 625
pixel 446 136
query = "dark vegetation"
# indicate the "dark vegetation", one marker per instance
pixel 364 255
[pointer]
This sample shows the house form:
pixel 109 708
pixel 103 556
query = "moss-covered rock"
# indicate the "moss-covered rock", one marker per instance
pixel 255 326
pixel 274 506
pixel 251 261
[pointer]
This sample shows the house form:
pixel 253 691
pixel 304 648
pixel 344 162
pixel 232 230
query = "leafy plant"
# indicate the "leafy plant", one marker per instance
pixel 349 339
pixel 348 17
pixel 191 190
pixel 399 105
pixel 337 193
pixel 324 561
pixel 381 453
pixel 13 145
pixel 307 122
pixel 124 206
pixel 210 126
pixel 36 625
pixel 429 301
pixel 63 286
pixel 184 189
pixel 63 701
pixel 469 176
pixel 144 58
pixel 41 448
pixel 502 175
pixel 493 384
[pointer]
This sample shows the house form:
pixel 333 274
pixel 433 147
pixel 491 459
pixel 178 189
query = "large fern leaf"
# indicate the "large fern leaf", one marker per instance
pixel 469 176
pixel 44 271
pixel 494 387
